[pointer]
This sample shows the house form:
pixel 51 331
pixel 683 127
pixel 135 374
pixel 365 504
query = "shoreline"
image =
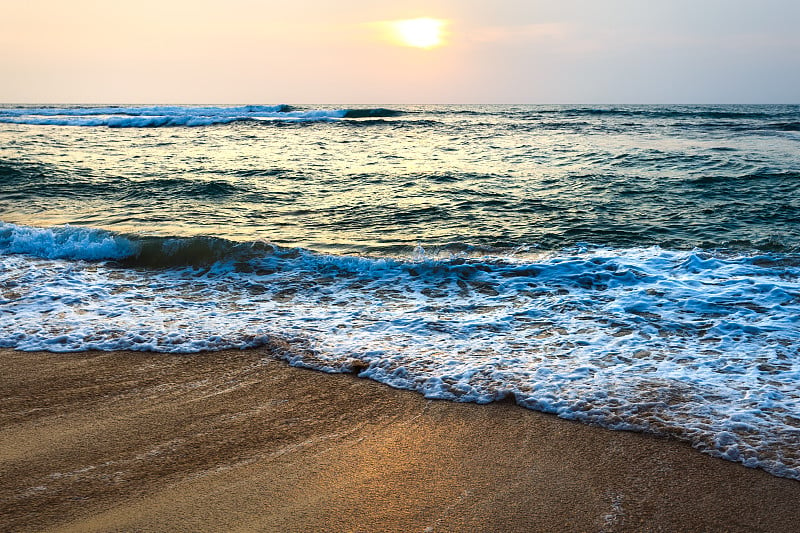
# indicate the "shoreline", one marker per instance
pixel 238 440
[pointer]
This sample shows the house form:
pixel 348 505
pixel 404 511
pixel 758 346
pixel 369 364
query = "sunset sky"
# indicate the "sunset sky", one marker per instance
pixel 350 51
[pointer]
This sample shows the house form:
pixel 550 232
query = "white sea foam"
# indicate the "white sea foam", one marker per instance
pixel 63 242
pixel 161 116
pixel 143 111
pixel 697 345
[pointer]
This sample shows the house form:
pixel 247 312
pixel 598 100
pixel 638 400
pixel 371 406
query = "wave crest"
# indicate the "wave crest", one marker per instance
pixel 64 242
pixel 174 116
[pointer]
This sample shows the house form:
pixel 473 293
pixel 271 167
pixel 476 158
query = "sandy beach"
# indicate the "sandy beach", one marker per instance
pixel 239 441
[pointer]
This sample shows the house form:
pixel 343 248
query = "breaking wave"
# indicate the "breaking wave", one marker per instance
pixel 174 116
pixel 697 345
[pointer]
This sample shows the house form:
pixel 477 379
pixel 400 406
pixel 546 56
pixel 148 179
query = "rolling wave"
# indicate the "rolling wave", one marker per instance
pixel 175 116
pixel 697 345
pixel 736 118
pixel 143 111
pixel 692 112
pixel 88 244
pixel 648 111
pixel 64 242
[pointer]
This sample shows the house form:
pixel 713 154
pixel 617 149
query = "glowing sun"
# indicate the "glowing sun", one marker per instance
pixel 420 33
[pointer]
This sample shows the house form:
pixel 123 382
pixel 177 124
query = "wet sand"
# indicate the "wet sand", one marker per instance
pixel 238 441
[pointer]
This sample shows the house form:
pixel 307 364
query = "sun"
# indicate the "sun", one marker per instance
pixel 420 33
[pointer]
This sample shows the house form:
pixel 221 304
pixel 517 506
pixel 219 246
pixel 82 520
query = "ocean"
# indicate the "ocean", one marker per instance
pixel 633 267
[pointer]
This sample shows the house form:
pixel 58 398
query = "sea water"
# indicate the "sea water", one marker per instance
pixel 634 267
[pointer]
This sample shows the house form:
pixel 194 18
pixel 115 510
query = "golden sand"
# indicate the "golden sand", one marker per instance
pixel 237 441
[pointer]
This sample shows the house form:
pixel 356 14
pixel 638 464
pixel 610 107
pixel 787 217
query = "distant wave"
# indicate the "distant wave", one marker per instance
pixel 371 113
pixel 739 118
pixel 669 113
pixel 144 111
pixel 785 126
pixel 172 116
pixel 763 175
pixel 732 112
pixel 124 122
pixel 723 112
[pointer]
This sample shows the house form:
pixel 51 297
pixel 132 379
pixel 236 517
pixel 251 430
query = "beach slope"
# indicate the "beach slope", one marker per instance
pixel 238 441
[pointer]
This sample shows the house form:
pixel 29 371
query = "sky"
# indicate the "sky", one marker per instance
pixel 344 51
